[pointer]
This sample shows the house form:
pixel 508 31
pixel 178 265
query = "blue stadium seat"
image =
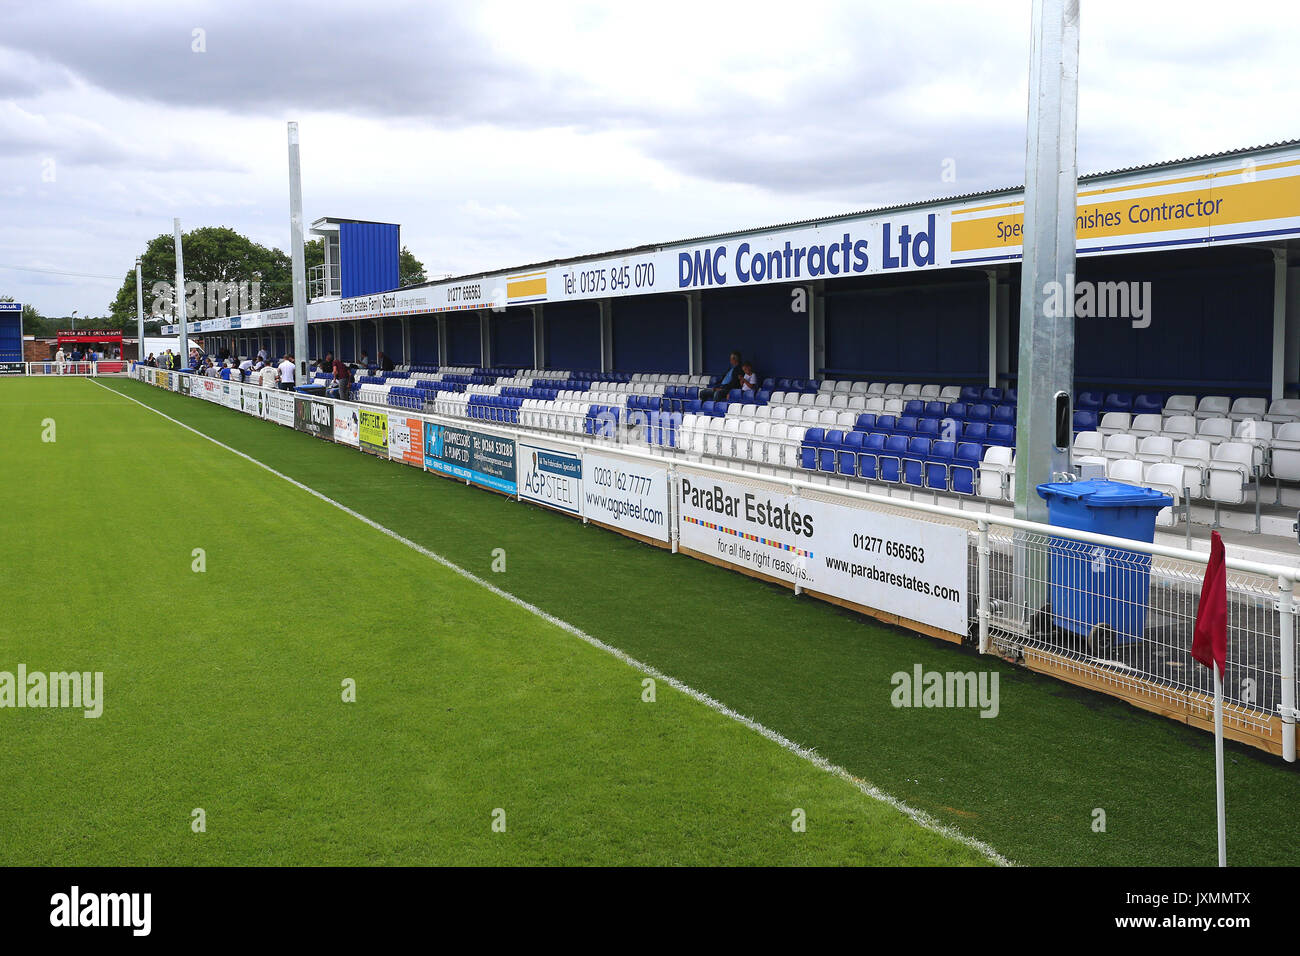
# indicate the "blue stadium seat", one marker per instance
pixel 1004 415
pixel 991 396
pixel 957 410
pixel 1088 401
pixel 928 428
pixel 827 453
pixel 935 410
pixel 1148 403
pixel 970 393
pixel 965 465
pixel 866 422
pixel 891 459
pixel 978 413
pixel 906 425
pixel 975 432
pixel 872 446
pixel 914 408
pixel 812 443
pixel 1085 420
pixel 848 453
pixel 1117 402
pixel 885 423
pixel 1002 435
pixel 938 463
pixel 918 450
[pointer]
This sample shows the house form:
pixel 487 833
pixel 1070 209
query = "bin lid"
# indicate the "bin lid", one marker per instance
pixel 1101 493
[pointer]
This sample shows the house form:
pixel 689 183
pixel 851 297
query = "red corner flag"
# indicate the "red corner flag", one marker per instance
pixel 1210 639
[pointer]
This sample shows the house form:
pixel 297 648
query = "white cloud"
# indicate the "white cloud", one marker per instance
pixel 503 133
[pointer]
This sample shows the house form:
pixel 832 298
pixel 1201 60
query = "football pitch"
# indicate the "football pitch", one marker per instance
pixel 235 614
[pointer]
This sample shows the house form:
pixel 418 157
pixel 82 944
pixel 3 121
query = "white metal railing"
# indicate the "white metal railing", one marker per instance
pixel 1110 613
pixel 52 367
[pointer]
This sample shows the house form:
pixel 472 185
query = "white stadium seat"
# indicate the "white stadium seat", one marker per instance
pixel 1180 426
pixel 1244 408
pixel 1143 425
pixel 1230 472
pixel 1112 423
pixel 997 476
pixel 1127 470
pixel 1194 455
pixel 1213 406
pixel 1284 410
pixel 1155 448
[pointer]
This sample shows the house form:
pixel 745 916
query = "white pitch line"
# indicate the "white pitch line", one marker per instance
pixel 920 817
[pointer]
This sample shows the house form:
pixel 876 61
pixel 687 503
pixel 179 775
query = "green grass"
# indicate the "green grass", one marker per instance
pixel 223 688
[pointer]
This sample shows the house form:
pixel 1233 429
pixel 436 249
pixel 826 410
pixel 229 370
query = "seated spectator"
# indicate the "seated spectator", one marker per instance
pixel 385 363
pixel 729 381
pixel 749 379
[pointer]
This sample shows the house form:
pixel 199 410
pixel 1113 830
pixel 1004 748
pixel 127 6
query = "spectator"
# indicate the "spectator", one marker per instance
pixel 748 379
pixel 385 363
pixel 59 359
pixel 343 379
pixel 76 354
pixel 270 375
pixel 236 375
pixel 287 374
pixel 729 381
pixel 246 366
pixel 364 362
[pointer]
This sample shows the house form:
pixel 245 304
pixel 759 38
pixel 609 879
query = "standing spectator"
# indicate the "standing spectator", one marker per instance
pixel 270 375
pixel 287 373
pixel 343 379
pixel 59 359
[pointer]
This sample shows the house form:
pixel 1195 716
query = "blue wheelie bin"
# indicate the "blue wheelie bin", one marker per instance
pixel 1098 592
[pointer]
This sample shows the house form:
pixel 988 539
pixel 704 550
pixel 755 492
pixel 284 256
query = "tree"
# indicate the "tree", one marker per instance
pixel 410 270
pixel 213 254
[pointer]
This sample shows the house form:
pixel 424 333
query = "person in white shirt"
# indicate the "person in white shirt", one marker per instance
pixel 60 358
pixel 270 374
pixel 287 374
pixel 235 374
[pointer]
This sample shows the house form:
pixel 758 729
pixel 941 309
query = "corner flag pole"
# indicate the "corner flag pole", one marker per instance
pixel 1218 767
pixel 1210 647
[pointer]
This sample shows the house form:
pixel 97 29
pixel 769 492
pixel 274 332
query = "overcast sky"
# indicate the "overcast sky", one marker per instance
pixel 499 134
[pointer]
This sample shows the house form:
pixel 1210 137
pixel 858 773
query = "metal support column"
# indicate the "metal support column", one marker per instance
pixel 1046 372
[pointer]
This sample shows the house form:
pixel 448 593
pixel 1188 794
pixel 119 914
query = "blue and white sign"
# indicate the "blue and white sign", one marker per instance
pixel 550 477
